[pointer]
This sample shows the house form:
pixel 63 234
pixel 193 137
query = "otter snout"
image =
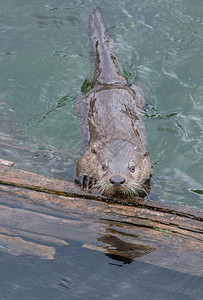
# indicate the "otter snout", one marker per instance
pixel 117 180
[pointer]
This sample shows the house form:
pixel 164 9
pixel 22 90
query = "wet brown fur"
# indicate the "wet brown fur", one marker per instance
pixel 116 161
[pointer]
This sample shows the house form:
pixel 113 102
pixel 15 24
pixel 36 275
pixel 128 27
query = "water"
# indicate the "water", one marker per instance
pixel 44 60
pixel 71 276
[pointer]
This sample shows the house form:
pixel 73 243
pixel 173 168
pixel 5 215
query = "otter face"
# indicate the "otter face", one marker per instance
pixel 115 168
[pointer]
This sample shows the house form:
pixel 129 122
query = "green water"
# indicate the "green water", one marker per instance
pixel 45 58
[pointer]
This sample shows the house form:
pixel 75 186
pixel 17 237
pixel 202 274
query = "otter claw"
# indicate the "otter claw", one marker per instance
pixel 84 181
pixel 81 180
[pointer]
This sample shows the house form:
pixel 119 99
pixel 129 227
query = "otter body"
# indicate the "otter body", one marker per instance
pixel 116 161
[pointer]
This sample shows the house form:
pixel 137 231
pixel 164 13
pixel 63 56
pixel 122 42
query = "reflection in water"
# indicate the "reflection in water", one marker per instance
pixel 120 250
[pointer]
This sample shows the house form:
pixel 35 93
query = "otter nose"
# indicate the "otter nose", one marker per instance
pixel 117 180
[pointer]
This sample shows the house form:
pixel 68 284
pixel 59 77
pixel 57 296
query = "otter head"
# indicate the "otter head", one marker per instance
pixel 115 168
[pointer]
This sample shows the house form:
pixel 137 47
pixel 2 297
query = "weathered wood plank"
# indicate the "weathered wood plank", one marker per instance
pixel 138 216
pixel 11 176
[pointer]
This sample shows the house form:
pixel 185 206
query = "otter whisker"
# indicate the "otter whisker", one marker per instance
pixel 100 188
pixel 133 190
pixel 129 190
pixel 98 184
pixel 143 189
pixel 97 187
pixel 104 188
pixel 139 189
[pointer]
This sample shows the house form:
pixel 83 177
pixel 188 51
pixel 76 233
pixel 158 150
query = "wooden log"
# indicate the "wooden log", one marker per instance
pixel 10 176
pixel 53 212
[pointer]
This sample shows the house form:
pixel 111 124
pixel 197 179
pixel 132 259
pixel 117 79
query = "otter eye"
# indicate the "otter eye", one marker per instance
pixel 132 169
pixel 104 167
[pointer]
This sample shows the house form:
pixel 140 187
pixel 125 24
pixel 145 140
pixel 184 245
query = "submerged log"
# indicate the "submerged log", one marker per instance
pixel 53 212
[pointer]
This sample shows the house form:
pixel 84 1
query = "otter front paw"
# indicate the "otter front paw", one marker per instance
pixel 85 181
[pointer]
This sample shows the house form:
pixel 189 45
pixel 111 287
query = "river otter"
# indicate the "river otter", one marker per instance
pixel 116 161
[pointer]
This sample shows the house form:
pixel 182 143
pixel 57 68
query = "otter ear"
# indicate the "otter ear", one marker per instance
pixel 94 150
pixel 146 154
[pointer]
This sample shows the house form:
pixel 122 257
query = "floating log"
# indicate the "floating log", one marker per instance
pixel 53 212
